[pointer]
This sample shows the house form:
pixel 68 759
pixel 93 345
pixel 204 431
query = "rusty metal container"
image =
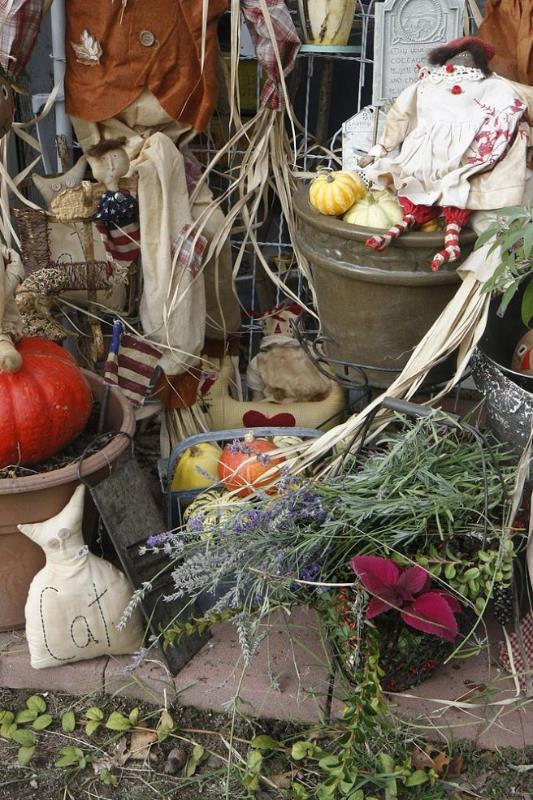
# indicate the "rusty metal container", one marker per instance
pixel 375 307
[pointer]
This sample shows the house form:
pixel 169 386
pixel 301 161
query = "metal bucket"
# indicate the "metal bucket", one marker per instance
pixel 375 307
pixel 508 394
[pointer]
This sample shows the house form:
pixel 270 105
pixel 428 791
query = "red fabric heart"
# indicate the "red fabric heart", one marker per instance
pixel 254 419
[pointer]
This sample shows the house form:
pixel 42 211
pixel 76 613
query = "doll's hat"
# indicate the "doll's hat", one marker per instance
pixel 468 42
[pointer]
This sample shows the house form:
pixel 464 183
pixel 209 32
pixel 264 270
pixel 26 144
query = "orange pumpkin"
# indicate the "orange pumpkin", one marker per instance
pixel 242 465
pixel 43 406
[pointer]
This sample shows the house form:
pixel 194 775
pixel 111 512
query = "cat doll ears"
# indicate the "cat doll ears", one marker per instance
pixel 69 519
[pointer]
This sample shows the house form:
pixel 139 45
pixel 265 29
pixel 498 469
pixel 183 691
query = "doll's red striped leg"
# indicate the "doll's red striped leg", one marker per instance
pixel 413 216
pixel 383 240
pixel 455 219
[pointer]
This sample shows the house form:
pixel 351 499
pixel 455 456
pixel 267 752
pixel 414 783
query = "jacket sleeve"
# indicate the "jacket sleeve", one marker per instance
pixel 400 120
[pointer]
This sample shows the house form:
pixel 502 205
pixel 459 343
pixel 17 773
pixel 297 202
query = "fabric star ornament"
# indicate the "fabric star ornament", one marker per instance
pixel 76 601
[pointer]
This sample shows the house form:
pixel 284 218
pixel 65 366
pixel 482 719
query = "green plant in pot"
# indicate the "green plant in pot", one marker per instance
pixel 415 621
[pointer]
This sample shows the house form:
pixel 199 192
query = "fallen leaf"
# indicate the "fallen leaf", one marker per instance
pixel 283 780
pixel 141 745
pixel 441 761
pixel 117 758
pixel 455 767
pixel 421 759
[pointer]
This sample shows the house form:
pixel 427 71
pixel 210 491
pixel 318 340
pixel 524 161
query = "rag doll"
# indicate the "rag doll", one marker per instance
pixel 282 372
pixel 109 162
pixel 453 142
pixel 77 600
pixel 146 71
pixel 11 273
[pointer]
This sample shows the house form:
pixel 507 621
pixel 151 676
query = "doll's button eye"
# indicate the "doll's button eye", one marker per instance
pixel 63 534
pixel 56 187
pixel 54 543
pixel 522 350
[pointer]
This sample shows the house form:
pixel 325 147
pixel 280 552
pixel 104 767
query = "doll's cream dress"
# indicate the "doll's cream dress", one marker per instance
pixel 447 128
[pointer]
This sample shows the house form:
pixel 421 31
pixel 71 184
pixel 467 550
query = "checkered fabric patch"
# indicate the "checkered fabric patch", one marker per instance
pixel 20 21
pixel 522 653
pixel 188 249
pixel 287 41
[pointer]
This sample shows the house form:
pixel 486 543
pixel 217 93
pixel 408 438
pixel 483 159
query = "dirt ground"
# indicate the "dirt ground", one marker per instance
pixel 167 770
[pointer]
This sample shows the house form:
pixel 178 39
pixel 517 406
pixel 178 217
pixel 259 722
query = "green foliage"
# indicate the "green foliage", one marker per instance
pixel 118 722
pixel 71 757
pixel 513 236
pixel 197 756
pixel 68 721
pixel 165 726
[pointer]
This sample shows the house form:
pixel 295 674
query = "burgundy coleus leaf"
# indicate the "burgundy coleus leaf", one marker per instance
pixel 414 580
pixel 378 606
pixel 376 574
pixel 431 613
pixel 452 601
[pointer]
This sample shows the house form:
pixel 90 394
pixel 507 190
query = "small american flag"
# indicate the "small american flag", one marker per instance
pixel 122 244
pixel 130 364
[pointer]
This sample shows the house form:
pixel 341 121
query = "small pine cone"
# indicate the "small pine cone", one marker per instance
pixel 503 604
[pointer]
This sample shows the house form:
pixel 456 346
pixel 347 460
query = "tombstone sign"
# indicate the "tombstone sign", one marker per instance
pixel 357 135
pixel 405 31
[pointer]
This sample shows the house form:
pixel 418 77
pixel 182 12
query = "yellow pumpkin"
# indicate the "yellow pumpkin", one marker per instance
pixel 431 227
pixel 333 193
pixel 376 210
pixel 197 467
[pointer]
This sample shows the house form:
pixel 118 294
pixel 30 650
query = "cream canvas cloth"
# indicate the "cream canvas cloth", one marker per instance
pixel 177 307
pixel 77 599
pixel 11 274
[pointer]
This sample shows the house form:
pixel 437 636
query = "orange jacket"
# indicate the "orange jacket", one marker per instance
pixel 157 46
pixel 508 25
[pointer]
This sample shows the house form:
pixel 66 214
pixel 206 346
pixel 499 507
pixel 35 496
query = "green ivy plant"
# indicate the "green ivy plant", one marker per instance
pixel 513 235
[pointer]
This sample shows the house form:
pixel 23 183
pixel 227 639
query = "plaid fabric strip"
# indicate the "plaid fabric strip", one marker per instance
pixel 523 658
pixel 132 367
pixel 188 249
pixel 287 40
pixel 20 21
pixel 121 244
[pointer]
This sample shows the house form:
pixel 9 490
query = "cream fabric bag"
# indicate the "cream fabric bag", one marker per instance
pixel 77 599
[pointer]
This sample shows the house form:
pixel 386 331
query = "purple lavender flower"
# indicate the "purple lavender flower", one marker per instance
pixel 158 538
pixel 310 573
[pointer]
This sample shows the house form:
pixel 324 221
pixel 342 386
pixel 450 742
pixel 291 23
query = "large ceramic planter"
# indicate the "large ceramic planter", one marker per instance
pixel 375 307
pixel 38 497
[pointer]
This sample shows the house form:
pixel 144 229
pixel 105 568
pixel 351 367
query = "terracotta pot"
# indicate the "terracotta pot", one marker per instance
pixel 38 497
pixel 375 307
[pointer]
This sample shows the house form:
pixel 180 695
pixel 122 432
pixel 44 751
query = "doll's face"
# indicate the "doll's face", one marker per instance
pixel 107 169
pixel 464 59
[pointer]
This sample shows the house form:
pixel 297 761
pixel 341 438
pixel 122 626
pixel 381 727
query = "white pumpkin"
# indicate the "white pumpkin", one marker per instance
pixel 376 210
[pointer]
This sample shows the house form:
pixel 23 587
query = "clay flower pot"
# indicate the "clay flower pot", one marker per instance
pixel 38 497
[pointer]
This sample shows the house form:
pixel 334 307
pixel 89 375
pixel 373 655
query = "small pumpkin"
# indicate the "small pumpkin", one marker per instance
pixel 242 465
pixel 43 406
pixel 209 510
pixel 376 210
pixel 333 193
pixel 431 226
pixel 197 467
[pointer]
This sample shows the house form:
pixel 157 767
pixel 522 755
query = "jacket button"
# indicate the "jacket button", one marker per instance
pixel 147 38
